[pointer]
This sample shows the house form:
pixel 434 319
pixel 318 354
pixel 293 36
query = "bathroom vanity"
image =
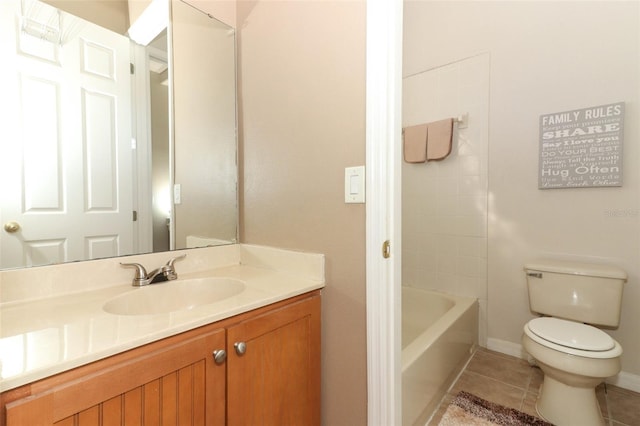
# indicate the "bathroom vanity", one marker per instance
pixel 251 358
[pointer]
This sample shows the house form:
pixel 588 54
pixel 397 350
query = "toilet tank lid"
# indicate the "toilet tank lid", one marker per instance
pixel 577 268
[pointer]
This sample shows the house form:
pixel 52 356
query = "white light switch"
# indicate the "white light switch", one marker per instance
pixel 354 184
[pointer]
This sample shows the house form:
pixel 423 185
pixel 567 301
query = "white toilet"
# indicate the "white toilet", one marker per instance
pixel 575 357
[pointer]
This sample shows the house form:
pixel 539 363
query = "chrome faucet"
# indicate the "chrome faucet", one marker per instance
pixel 163 273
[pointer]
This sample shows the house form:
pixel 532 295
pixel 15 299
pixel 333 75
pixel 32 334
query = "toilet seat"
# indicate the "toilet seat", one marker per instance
pixel 572 338
pixel 571 334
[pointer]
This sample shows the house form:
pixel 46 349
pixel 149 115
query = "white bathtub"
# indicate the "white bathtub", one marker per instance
pixel 439 333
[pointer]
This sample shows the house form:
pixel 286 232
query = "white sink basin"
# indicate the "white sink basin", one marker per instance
pixel 173 296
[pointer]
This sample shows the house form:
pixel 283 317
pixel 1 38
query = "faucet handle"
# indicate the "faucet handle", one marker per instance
pixel 172 260
pixel 169 270
pixel 141 273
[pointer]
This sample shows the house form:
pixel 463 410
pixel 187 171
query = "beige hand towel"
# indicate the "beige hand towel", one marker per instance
pixel 440 138
pixel 415 144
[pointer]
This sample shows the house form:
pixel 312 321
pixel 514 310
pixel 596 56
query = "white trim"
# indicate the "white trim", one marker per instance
pixel 142 156
pixel 384 80
pixel 626 381
pixel 623 379
pixel 505 347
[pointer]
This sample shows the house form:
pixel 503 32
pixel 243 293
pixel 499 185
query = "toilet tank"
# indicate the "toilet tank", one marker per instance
pixel 589 293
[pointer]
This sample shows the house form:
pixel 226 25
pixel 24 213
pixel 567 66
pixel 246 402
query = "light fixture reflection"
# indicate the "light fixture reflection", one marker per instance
pixel 153 20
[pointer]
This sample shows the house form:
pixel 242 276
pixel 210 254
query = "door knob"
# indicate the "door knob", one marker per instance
pixel 12 227
pixel 241 347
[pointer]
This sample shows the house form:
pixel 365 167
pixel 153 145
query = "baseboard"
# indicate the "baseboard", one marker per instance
pixel 623 379
pixel 626 380
pixel 504 347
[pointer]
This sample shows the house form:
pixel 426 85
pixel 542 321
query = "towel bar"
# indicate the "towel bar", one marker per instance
pixel 461 120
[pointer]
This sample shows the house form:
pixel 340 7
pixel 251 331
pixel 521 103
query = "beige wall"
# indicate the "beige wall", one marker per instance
pixel 136 8
pixel 545 57
pixel 222 10
pixel 303 119
pixel 117 15
pixel 160 183
pixel 110 14
pixel 205 126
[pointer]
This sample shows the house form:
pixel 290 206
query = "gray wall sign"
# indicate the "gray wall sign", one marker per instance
pixel 582 148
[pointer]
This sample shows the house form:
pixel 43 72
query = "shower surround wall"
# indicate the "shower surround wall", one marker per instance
pixel 444 203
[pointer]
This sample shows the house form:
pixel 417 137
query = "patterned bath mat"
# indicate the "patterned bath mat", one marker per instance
pixel 468 409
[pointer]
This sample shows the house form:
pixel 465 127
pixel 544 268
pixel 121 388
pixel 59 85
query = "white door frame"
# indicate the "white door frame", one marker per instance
pixel 141 122
pixel 383 209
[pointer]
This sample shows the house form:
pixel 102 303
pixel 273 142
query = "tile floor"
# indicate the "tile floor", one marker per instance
pixel 512 382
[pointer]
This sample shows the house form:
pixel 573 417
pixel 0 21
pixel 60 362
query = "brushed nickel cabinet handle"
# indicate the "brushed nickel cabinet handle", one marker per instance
pixel 241 347
pixel 219 356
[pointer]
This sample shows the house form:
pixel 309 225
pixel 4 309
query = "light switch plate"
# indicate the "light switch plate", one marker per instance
pixel 354 184
pixel 177 193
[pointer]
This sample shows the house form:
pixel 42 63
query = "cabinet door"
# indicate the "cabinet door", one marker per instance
pixel 175 384
pixel 276 381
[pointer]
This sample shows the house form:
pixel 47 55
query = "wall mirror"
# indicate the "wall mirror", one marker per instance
pixel 109 147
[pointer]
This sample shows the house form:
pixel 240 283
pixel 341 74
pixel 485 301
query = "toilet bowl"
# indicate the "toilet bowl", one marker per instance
pixel 575 357
pixel 573 365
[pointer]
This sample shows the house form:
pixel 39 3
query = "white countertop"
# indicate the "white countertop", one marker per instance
pixel 45 336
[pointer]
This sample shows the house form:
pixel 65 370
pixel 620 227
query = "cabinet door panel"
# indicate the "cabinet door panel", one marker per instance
pixel 199 393
pixel 112 411
pixel 89 417
pixel 165 386
pixel 170 400
pixel 185 395
pixel 277 380
pixel 151 395
pixel 133 407
pixel 69 421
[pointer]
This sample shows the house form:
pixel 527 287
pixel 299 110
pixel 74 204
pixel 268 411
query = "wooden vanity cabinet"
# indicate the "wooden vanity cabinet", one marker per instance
pixel 163 383
pixel 271 376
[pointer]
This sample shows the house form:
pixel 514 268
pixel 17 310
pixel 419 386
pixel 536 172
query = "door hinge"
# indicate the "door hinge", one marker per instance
pixel 135 216
pixel 386 249
pixel 132 68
